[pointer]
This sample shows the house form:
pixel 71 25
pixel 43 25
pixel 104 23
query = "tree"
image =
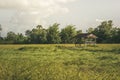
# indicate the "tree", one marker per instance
pixel 36 35
pixel 39 27
pixel 41 34
pixel 19 38
pixel 53 36
pixel 115 37
pixel 79 31
pixel 0 30
pixel 67 34
pixel 28 33
pixel 11 37
pixel 118 36
pixel 90 30
pixel 103 31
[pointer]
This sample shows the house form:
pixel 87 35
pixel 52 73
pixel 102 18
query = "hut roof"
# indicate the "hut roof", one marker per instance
pixel 86 35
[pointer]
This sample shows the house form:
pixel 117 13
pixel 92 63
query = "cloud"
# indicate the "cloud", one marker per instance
pixel 33 12
pixel 27 9
pixel 25 4
pixel 99 20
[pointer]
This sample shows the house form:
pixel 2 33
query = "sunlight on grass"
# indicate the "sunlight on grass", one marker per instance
pixel 59 62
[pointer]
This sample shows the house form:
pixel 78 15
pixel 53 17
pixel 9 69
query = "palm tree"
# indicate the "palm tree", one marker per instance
pixel 39 26
pixel 28 33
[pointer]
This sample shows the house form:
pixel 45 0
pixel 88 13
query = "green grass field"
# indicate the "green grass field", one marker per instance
pixel 59 62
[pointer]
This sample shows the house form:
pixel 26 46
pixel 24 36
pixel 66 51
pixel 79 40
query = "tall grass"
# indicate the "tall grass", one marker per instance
pixel 59 62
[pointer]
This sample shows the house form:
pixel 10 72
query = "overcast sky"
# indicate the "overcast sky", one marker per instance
pixel 20 15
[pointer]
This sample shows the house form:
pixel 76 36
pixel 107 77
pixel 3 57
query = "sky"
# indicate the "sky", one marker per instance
pixel 21 15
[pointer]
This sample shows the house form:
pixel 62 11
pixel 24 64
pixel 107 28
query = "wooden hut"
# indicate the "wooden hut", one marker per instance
pixel 85 38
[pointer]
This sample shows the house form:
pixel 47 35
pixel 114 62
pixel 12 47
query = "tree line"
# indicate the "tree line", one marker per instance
pixel 105 32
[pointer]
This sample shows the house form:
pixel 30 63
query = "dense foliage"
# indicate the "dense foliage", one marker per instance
pixel 105 32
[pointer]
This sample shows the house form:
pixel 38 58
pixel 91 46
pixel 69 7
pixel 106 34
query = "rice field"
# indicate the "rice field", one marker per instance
pixel 59 62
